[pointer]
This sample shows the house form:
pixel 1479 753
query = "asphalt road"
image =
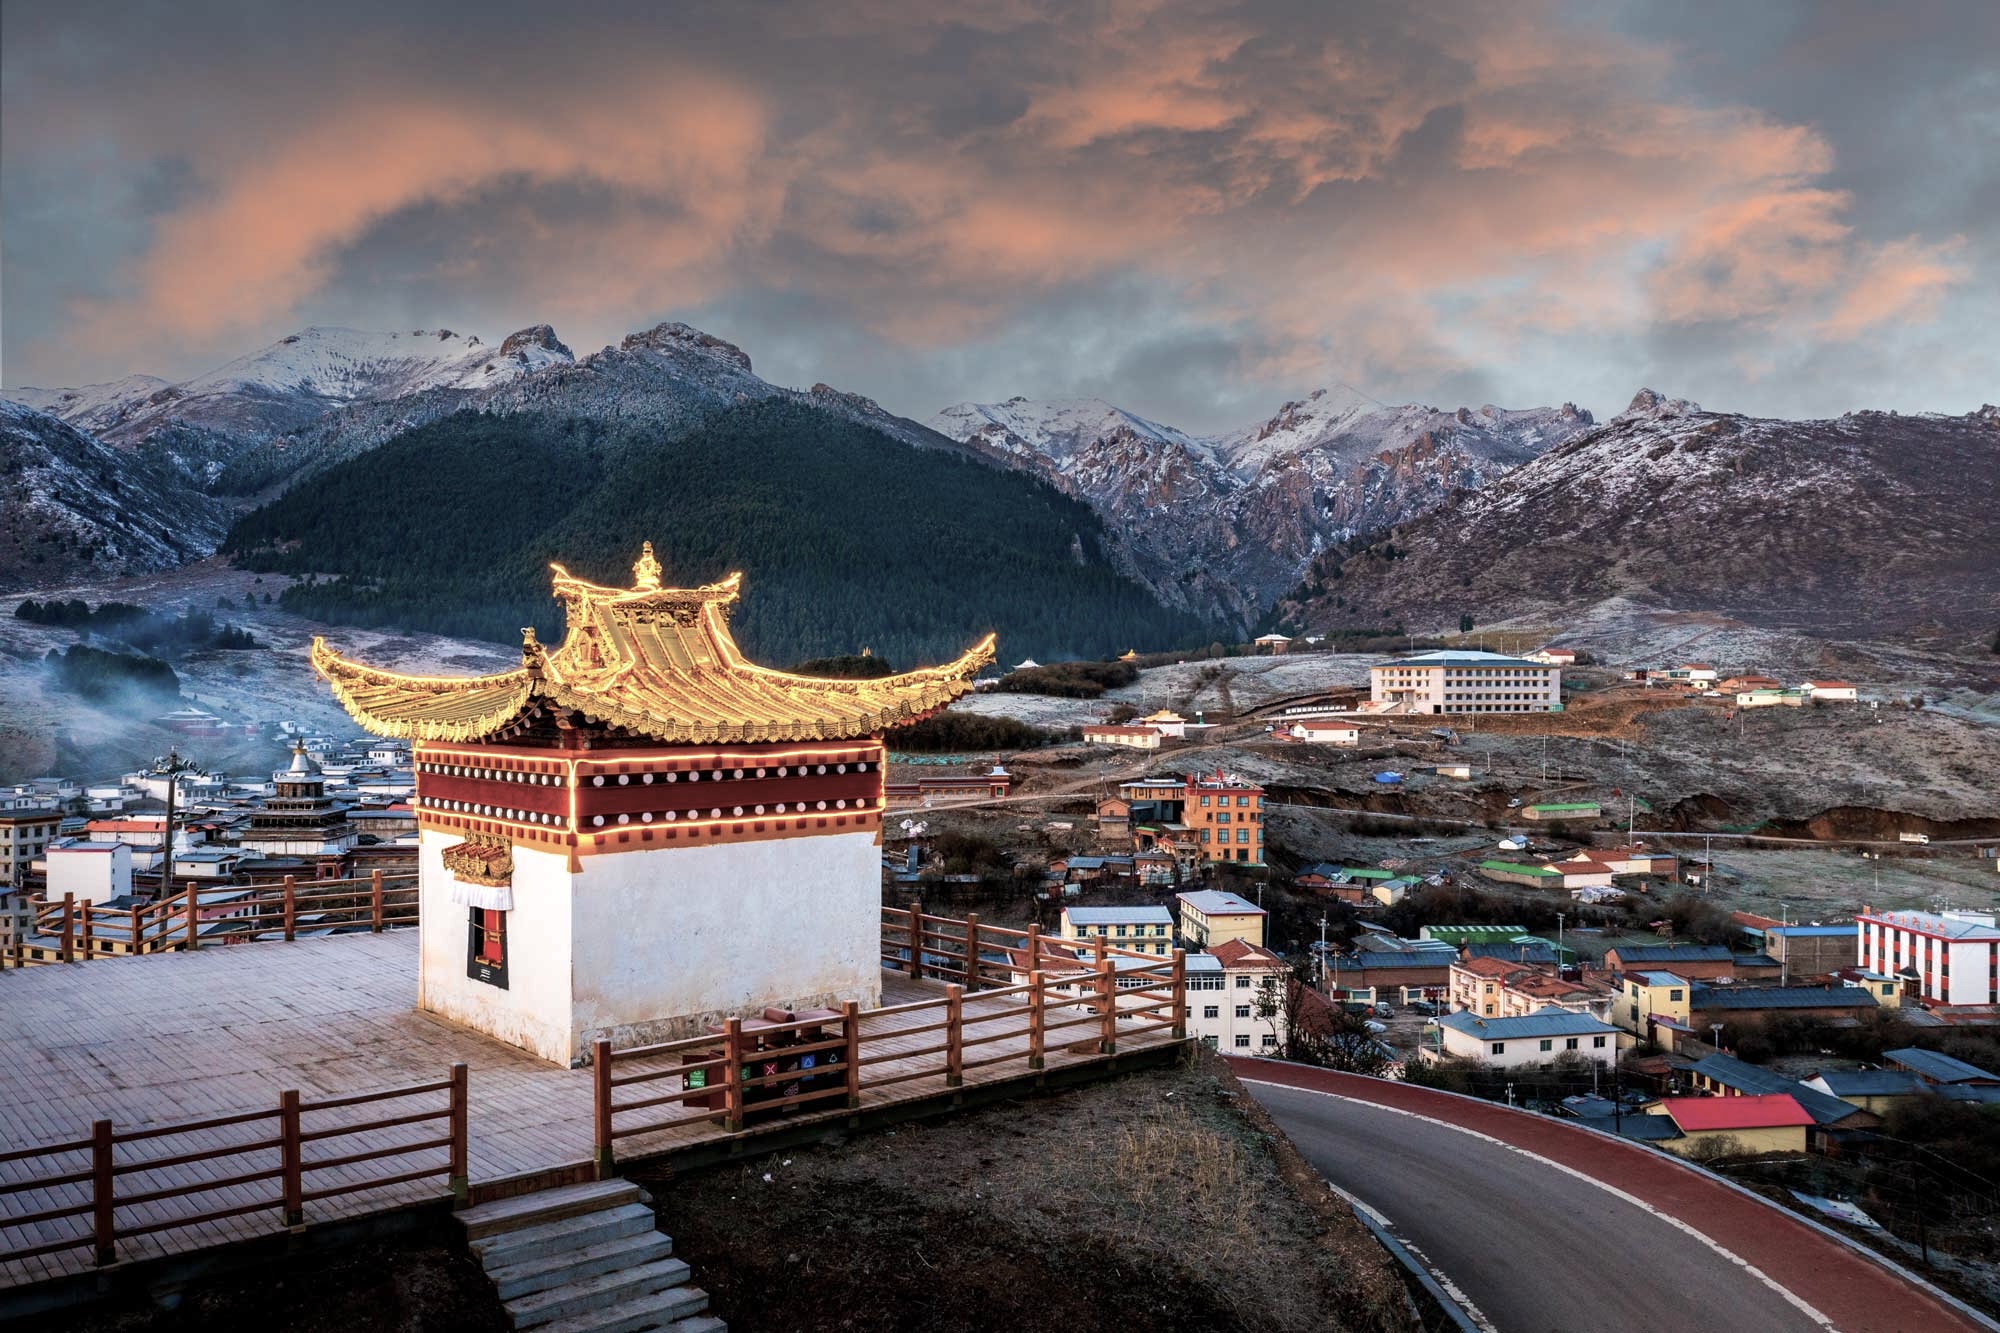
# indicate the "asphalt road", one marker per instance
pixel 1534 1249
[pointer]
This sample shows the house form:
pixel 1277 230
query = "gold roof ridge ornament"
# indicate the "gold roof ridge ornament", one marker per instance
pixel 655 661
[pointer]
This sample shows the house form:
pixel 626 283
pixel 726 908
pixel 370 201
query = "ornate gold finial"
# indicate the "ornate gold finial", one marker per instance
pixel 646 574
pixel 531 650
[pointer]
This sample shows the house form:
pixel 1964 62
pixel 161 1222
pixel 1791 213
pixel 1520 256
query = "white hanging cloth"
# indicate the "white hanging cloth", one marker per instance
pixel 488 897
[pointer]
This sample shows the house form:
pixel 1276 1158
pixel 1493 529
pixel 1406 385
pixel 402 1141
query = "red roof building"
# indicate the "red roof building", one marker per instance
pixel 1769 1110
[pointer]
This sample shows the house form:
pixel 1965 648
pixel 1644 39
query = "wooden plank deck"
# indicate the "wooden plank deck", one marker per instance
pixel 186 1036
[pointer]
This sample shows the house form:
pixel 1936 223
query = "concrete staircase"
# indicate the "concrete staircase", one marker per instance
pixel 585 1259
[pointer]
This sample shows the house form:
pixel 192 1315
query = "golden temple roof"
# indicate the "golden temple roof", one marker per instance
pixel 656 661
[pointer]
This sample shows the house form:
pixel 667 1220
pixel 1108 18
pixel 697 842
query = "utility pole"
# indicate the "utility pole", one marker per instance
pixel 170 766
pixel 1545 761
pixel 1559 941
pixel 1322 950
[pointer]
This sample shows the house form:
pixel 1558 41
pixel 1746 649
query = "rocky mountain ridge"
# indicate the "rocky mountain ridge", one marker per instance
pixel 70 504
pixel 1869 524
pixel 1229 521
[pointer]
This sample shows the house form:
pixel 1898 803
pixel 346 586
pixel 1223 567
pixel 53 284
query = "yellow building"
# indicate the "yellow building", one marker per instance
pixel 1210 917
pixel 1770 1122
pixel 1648 999
pixel 1142 929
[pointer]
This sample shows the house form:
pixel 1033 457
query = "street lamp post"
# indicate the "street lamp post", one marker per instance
pixel 1715 1037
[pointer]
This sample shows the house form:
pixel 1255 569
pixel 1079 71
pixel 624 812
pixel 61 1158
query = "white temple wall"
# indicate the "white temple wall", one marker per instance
pixel 534 1012
pixel 668 940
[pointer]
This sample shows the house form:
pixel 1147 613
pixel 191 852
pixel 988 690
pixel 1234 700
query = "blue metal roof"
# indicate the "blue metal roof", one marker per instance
pixel 1646 1128
pixel 1869 1082
pixel 1790 931
pixel 1438 959
pixel 1779 997
pixel 1936 1066
pixel 1731 1072
pixel 1671 953
pixel 1550 1022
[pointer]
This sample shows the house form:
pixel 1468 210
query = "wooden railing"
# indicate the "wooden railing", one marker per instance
pixel 120 1184
pixel 743 1075
pixel 64 930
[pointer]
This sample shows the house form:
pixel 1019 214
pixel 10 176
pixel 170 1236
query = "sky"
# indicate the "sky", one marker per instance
pixel 1192 210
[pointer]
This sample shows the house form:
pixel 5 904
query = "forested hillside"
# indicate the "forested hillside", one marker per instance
pixel 846 537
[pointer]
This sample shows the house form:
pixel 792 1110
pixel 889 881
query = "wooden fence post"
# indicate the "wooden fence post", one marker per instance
pixel 954 1036
pixel 133 949
pixel 972 951
pixel 850 1028
pixel 732 1075
pixel 193 917
pixel 600 1075
pixel 291 1157
pixel 1033 944
pixel 89 935
pixel 103 1203
pixel 916 939
pixel 1180 994
pixel 460 1172
pixel 69 928
pixel 1107 1007
pixel 1037 994
pixel 291 910
pixel 375 900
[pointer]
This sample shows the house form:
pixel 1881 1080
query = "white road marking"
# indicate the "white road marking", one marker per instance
pixel 1451 1289
pixel 1790 1297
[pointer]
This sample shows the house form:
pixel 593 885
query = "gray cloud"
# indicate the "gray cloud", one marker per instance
pixel 1191 211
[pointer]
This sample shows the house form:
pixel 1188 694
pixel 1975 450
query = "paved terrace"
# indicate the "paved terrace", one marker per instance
pixel 181 1037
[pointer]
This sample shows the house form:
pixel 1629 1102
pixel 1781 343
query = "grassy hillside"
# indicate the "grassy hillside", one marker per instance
pixel 846 537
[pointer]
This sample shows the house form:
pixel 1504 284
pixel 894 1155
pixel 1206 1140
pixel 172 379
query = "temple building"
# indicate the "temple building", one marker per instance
pixel 300 819
pixel 639 833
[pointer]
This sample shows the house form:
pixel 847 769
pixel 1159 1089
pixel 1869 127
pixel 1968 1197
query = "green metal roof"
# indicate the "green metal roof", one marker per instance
pixel 1515 868
pixel 1570 805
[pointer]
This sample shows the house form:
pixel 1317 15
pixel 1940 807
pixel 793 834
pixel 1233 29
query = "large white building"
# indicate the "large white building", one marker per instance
pixel 1952 957
pixel 1236 998
pixel 1537 1038
pixel 92 872
pixel 1465 682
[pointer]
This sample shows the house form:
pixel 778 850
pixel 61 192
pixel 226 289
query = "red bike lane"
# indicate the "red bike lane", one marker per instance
pixel 1857 1294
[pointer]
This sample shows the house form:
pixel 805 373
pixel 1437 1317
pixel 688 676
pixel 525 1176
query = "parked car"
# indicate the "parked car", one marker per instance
pixel 1384 1011
pixel 1422 1007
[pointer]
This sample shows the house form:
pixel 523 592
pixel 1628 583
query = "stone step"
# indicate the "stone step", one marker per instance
pixel 526 1210
pixel 674 1308
pixel 505 1249
pixel 596 1293
pixel 557 1270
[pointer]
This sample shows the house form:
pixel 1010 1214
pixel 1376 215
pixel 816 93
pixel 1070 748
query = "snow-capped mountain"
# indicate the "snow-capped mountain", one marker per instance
pixel 1868 523
pixel 93 407
pixel 69 503
pixel 296 380
pixel 271 419
pixel 1230 521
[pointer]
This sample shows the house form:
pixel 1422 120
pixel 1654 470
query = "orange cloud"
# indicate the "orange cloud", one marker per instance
pixel 1900 282
pixel 270 236
pixel 1390 187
